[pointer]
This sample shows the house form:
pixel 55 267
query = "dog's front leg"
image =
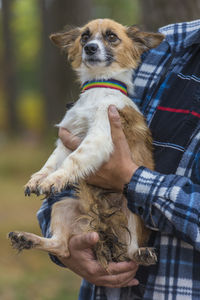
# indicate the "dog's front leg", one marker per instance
pixel 52 164
pixel 94 150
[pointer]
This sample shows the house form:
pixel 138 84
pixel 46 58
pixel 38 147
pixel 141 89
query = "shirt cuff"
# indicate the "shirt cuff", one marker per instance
pixel 141 192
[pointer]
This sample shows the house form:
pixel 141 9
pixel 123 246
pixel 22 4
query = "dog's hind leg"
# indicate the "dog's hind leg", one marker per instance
pixel 26 240
pixel 139 236
pixel 64 215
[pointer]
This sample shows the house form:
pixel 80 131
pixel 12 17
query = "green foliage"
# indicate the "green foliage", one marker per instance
pixel 26 26
pixel 3 115
pixel 26 30
pixel 31 111
pixel 123 11
pixel 1 39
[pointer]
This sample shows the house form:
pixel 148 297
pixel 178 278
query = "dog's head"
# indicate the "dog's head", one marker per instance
pixel 105 44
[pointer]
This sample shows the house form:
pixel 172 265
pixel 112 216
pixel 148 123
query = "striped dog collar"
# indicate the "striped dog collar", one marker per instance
pixel 110 83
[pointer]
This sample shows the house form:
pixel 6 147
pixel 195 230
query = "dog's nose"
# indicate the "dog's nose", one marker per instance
pixel 91 48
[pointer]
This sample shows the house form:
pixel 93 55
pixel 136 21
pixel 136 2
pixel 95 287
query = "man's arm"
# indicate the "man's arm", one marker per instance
pixel 168 203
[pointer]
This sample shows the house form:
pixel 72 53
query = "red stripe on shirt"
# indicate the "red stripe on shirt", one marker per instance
pixel 195 114
pixel 177 110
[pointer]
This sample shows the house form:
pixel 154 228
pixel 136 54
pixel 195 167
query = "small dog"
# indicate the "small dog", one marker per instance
pixel 104 54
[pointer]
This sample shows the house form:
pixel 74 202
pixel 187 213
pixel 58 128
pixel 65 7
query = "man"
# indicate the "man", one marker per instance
pixel 167 90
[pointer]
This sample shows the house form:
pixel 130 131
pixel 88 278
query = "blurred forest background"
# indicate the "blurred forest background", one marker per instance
pixel 35 85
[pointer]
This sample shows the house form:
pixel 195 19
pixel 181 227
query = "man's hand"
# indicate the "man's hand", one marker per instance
pixel 83 263
pixel 120 167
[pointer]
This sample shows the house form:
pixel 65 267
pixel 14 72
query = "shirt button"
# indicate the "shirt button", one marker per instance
pixel 140 210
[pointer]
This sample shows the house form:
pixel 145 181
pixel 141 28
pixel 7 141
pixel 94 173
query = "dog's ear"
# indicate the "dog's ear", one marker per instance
pixel 145 40
pixel 66 38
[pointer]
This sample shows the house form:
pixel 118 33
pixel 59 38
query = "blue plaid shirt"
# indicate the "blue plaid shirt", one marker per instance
pixel 167 90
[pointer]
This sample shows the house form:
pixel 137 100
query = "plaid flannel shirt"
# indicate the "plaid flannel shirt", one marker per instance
pixel 168 201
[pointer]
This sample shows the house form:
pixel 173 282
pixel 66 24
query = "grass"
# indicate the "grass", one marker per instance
pixel 28 275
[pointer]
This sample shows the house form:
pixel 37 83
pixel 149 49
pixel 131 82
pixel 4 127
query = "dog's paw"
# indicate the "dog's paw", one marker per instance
pixel 54 183
pixel 145 256
pixel 32 185
pixel 20 241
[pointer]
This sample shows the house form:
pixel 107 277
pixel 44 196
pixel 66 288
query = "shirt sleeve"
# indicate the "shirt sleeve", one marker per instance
pixel 44 217
pixel 166 203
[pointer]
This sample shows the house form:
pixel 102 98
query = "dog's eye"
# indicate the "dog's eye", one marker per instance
pixel 111 37
pixel 85 37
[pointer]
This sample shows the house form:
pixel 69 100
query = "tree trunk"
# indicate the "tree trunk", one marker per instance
pixel 9 72
pixel 58 80
pixel 157 13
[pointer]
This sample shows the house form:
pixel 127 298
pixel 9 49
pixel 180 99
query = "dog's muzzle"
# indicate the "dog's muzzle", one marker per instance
pixel 94 53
